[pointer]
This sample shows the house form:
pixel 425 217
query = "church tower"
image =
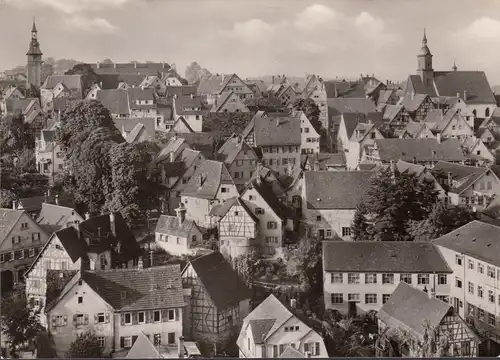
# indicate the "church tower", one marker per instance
pixel 424 64
pixel 34 54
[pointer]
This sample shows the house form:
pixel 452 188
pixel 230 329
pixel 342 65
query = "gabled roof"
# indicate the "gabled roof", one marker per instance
pixel 464 175
pixel 385 257
pixel 8 219
pixel 55 217
pixel 184 105
pixel 183 121
pixel 269 131
pixel 157 287
pixel 140 94
pixel 361 131
pixel 335 189
pixel 361 105
pixel 75 246
pixel 19 105
pixel 475 83
pixel 224 98
pixel 34 203
pixel 184 90
pixel 171 225
pixel 419 149
pixel 172 73
pixel 130 123
pixel 221 282
pixel 413 128
pixel 493 209
pixel 222 209
pixel 476 239
pixel 411 102
pixel 230 151
pixel 414 84
pixel 135 134
pixel 391 111
pixel 143 348
pixel 411 309
pixel 215 83
pixel 72 82
pixel 292 353
pixel 116 101
pixel 351 120
pixel 410 168
pixel 130 68
pixel 385 95
pixel 344 89
pixel 266 192
pixel 210 175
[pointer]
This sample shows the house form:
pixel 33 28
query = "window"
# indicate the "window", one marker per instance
pixel 259 211
pixel 385 298
pixel 141 317
pixel 442 279
pixel 423 279
pixel 80 299
pixel 128 318
pixel 480 268
pixel 171 338
pixel 480 291
pixel 328 233
pixel 337 298
pixel 337 278
pixel 346 231
pixel 127 341
pixel 272 225
pixel 443 298
pixel 471 288
pixel 458 282
pixel 353 278
pixel 318 217
pixel 100 318
pixel 370 298
pixel 24 226
pixel 491 319
pixel 387 278
pixel 157 339
pixel 480 314
pixel 458 260
pixel 491 272
pixel 405 278
pixel 224 190
pixel 491 296
pixel 80 319
pixel 353 297
pixel 370 278
pixel 471 265
pixel 171 315
pixel 157 316
pixel 250 197
pixel 35 237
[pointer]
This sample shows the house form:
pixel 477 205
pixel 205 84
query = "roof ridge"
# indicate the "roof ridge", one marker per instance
pixel 149 269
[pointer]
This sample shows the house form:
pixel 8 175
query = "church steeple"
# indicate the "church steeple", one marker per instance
pixel 34 54
pixel 424 63
pixel 454 68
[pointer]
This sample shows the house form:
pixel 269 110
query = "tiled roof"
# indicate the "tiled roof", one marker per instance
pixel 34 203
pixel 324 160
pixel 185 90
pixel 351 120
pixel 171 225
pixel 47 135
pixel 292 353
pixel 185 124
pixel 410 168
pixel 411 102
pixel 384 96
pixel 72 82
pixel 391 111
pixel 8 218
pixel 213 83
pixel 116 101
pixel 128 124
pixel 335 189
pixel 464 175
pixel 75 246
pixel 220 281
pixel 410 308
pixel 385 257
pixel 493 209
pixel 266 191
pixel 415 84
pixel 55 216
pixel 222 100
pixel 203 142
pixel 231 150
pixel 270 131
pixel 184 105
pixel 361 105
pixel 139 94
pixel 174 74
pixel 19 105
pixel 345 89
pixel 157 287
pixel 449 83
pixel 222 209
pixel 260 328
pixel 135 134
pixel 413 128
pixel 131 68
pixel 419 149
pixel 361 131
pixel 211 174
pixel 476 239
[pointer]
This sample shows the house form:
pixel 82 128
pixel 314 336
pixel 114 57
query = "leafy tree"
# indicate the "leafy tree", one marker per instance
pixel 246 266
pixel 45 347
pixel 360 228
pixel 15 134
pixel 268 104
pixel 6 198
pixel 195 72
pixel 89 77
pixel 26 161
pixel 20 322
pixel 78 119
pixel 226 123
pixel 90 165
pixel 107 61
pixel 442 219
pixel 134 191
pixel 428 347
pixel 310 109
pixel 394 200
pixel 86 345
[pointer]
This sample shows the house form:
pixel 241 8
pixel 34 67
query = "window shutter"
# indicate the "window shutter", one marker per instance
pixel 164 315
pixel 65 320
pixel 306 347
pixel 86 319
pixel 176 314
pixel 54 324
pixel 146 316
pixel 122 342
pixel 134 318
pixel 317 348
pixel 275 351
pixel 74 319
pixel 107 318
pixel 95 319
pixel 122 316
pixel 134 338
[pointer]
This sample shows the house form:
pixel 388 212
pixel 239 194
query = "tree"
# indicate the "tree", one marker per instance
pixel 6 198
pixel 78 119
pixel 360 228
pixel 107 61
pixel 134 191
pixel 15 134
pixel 89 76
pixel 26 161
pixel 427 347
pixel 246 265
pixel 195 72
pixel 86 345
pixel 310 109
pixel 45 347
pixel 442 219
pixel 20 321
pixel 392 201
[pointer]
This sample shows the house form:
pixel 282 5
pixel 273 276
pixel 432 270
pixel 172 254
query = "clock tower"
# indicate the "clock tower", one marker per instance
pixel 34 54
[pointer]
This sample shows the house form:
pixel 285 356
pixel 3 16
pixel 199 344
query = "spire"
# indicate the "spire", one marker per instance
pixel 33 29
pixel 454 66
pixel 424 39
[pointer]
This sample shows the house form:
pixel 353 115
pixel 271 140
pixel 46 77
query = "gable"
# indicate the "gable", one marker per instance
pixel 258 201
pixel 282 336
pixel 25 233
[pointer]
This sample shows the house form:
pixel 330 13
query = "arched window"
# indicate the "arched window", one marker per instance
pixel 487 112
pixel 474 112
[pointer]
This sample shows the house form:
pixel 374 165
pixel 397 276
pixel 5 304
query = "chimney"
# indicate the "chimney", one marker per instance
pixel 180 348
pixel 57 199
pixel 181 213
pixel 458 94
pixel 172 156
pixel 272 79
pixel 140 264
pixel 432 293
pixel 412 95
pixel 293 303
pixel 278 122
pixel 162 65
pixel 98 65
pixel 87 216
pixel 48 192
pixel 114 65
pixel 135 64
pixel 112 223
pixel 222 78
pixel 336 91
pixel 92 264
pixel 438 138
pixel 465 95
pixel 191 96
pixel 14 205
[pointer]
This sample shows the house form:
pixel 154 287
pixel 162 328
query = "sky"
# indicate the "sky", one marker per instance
pixel 331 38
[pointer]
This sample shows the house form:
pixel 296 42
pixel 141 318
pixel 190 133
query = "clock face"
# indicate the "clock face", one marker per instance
pixel 33 36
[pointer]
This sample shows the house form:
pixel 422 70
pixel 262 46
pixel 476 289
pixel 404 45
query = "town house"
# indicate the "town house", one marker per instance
pixel 11 93
pixel 30 110
pixel 190 109
pixel 20 241
pixel 240 160
pixel 52 88
pixel 219 301
pixel 118 305
pixel 271 328
pixel 422 173
pixel 477 150
pixel 278 139
pixel 229 102
pixel 211 184
pixel 172 78
pixel 315 90
pixel 467 185
pixel 417 105
pixel 360 276
pixel 48 154
pixel 330 199
pixel 175 234
pixel 53 217
pixel 415 130
pixel 449 124
pixel 142 103
pixel 309 137
pixel 396 116
pixel 212 87
pixel 428 317
pixel 472 251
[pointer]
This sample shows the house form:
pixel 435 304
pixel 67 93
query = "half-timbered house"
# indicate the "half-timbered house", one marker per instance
pixel 417 105
pixel 429 318
pixel 219 302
